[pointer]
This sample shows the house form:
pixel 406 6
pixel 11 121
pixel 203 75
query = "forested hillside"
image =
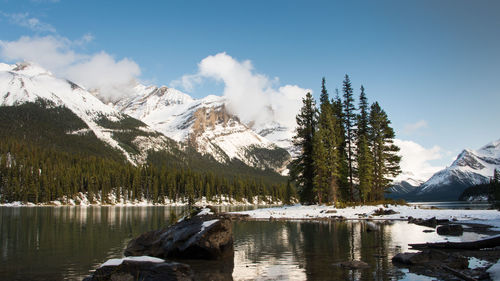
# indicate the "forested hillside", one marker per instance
pixel 47 153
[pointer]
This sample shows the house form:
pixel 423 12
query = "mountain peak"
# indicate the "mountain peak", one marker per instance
pixel 29 69
pixel 470 168
pixel 492 149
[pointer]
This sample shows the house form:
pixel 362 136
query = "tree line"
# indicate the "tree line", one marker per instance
pixel 347 153
pixel 39 174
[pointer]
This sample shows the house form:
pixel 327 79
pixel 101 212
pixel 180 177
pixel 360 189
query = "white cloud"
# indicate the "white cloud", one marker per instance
pixel 112 78
pixel 24 20
pixel 251 95
pixel 51 52
pixel 416 159
pixel 414 127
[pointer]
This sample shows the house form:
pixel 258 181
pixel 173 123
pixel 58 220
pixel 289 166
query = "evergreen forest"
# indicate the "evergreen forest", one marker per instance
pixel 347 151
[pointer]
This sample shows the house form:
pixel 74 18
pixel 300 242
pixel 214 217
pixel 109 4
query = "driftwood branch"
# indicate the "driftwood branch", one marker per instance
pixel 473 245
pixel 458 273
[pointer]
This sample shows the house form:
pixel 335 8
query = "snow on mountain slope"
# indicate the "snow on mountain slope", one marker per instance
pixel 27 82
pixel 279 134
pixel 402 188
pixel 204 123
pixel 470 168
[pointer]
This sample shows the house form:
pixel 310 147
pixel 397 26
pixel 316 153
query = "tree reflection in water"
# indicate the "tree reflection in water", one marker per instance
pixel 281 250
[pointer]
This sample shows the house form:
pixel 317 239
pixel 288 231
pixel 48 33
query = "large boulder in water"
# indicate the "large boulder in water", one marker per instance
pixel 204 236
pixel 141 268
pixel 431 257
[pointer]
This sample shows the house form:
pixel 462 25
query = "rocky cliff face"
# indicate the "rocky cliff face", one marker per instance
pixel 204 124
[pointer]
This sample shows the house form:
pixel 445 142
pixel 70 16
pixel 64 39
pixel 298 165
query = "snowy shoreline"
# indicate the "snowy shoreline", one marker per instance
pixel 403 212
pixel 82 200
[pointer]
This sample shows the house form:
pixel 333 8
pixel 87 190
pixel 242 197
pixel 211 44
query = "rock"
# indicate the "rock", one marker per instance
pixel 450 229
pixel 404 258
pixel 432 222
pixel 338 218
pixel 428 230
pixel 130 270
pixel 354 264
pixel 384 212
pixel 199 237
pixel 362 215
pixel 433 257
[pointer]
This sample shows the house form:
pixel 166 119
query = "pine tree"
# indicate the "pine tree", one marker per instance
pixel 343 170
pixel 349 119
pixel 326 151
pixel 302 168
pixel 385 158
pixel 363 153
pixel 287 200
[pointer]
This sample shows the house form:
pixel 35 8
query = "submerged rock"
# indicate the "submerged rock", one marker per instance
pixel 432 258
pixel 450 229
pixel 131 270
pixel 199 237
pixel 354 264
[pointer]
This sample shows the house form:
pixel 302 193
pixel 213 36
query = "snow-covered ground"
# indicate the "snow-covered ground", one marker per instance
pixel 490 217
pixel 82 199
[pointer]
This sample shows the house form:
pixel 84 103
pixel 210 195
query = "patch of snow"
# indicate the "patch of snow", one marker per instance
pixel 207 224
pixel 205 211
pixel 117 262
pixel 56 203
pixel 480 198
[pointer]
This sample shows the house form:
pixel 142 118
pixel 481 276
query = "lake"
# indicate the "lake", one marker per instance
pixel 67 243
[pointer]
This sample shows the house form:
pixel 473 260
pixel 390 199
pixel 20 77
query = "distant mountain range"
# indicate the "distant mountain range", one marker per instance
pixel 153 119
pixel 471 167
pixel 205 124
pixel 165 120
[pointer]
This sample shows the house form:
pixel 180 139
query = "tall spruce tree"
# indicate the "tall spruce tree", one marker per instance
pixel 302 168
pixel 363 153
pixel 349 115
pixel 384 152
pixel 343 170
pixel 326 151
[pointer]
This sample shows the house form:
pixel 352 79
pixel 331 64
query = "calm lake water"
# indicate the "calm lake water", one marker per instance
pixel 67 243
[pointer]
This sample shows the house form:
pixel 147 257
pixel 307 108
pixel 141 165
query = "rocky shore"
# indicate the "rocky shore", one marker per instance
pixel 156 255
pixel 204 239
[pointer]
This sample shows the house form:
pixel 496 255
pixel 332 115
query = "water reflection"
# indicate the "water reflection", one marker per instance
pixel 66 243
pixel 312 250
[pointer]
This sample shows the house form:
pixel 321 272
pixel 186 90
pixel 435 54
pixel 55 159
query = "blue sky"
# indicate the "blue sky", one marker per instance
pixel 434 66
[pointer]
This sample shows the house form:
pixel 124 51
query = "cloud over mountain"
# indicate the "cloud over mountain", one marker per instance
pixel 100 71
pixel 253 96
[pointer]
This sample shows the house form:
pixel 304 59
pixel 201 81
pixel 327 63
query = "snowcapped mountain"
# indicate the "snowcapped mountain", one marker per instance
pixel 28 83
pixel 205 124
pixel 470 168
pixel 401 188
pixel 279 134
